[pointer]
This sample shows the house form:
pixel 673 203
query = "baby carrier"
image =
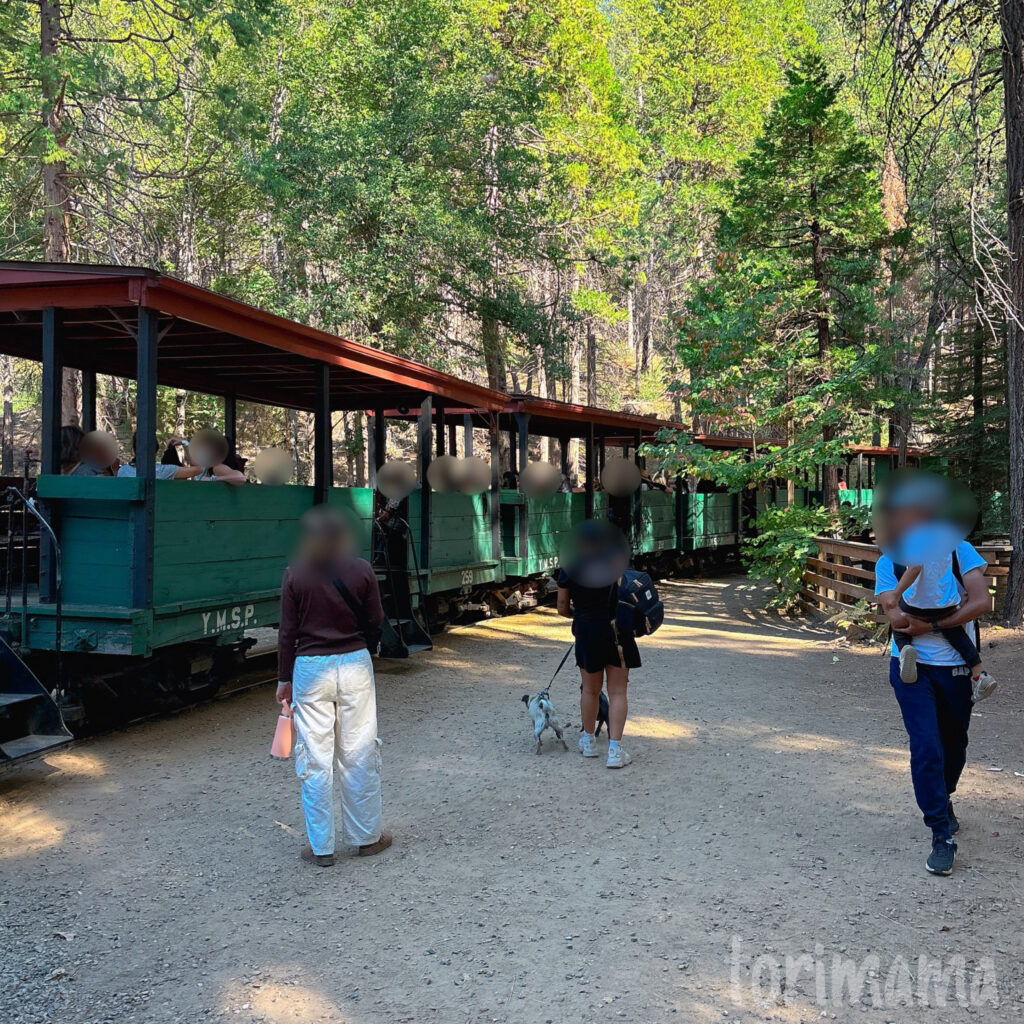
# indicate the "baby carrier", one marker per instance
pixel 899 570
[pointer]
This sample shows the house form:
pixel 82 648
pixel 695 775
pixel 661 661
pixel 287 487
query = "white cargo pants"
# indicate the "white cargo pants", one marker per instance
pixel 335 712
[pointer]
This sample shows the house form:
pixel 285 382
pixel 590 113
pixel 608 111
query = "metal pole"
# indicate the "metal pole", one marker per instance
pixel 467 434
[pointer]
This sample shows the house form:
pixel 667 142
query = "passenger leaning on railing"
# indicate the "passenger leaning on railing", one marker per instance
pixel 163 471
pixel 207 451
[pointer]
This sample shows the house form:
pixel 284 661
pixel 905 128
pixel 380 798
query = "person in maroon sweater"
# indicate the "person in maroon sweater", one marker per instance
pixel 330 602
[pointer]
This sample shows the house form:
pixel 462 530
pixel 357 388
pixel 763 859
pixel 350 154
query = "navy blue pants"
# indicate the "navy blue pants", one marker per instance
pixel 937 714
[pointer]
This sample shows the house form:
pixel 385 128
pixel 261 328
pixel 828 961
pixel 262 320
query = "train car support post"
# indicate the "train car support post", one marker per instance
pixel 323 449
pixel 377 433
pixel 141 516
pixel 424 449
pixel 523 433
pixel 88 400
pixel 53 377
pixel 495 504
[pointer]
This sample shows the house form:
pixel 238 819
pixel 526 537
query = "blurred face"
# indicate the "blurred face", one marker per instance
pixel 98 450
pixel 912 499
pixel 325 537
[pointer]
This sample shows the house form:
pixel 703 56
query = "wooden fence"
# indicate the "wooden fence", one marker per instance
pixel 843 573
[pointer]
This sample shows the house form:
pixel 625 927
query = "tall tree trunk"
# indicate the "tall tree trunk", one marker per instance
pixel 56 232
pixel 575 361
pixel 56 197
pixel 829 471
pixel 591 364
pixel 359 426
pixel 180 406
pixel 1011 17
pixel 977 403
pixel 7 431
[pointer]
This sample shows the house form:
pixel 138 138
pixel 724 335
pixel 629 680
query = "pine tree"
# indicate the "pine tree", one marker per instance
pixel 781 342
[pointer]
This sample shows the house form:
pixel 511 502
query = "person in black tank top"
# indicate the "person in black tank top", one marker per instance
pixel 600 654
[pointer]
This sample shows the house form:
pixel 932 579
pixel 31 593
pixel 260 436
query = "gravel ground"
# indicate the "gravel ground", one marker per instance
pixel 761 859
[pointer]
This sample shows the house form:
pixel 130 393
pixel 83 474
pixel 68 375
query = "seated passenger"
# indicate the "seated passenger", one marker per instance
pixel 163 470
pixel 171 455
pixel 71 435
pixel 207 450
pixel 98 455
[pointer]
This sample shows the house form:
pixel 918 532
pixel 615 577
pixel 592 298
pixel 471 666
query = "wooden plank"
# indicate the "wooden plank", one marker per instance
pixel 810 595
pixel 102 488
pixel 840 586
pixel 848 570
pixel 849 548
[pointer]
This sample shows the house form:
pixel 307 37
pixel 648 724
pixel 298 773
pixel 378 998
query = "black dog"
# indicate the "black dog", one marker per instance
pixel 602 712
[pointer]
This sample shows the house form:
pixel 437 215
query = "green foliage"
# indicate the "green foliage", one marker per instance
pixel 781 547
pixel 781 343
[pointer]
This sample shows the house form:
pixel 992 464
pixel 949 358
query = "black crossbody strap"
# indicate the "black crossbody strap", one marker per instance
pixel 362 623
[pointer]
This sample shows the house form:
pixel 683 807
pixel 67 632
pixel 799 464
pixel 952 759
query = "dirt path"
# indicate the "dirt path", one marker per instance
pixel 152 876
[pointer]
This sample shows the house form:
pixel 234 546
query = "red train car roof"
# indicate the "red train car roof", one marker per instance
pixel 208 342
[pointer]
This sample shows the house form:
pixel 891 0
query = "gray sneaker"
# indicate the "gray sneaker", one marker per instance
pixel 617 758
pixel 908 664
pixel 588 746
pixel 982 686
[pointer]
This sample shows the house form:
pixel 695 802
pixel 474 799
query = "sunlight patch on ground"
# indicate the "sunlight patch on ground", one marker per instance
pixel 28 830
pixel 78 762
pixel 282 1004
pixel 660 728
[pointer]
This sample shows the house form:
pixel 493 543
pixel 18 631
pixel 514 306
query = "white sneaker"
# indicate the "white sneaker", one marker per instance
pixel 983 686
pixel 617 757
pixel 588 745
pixel 908 664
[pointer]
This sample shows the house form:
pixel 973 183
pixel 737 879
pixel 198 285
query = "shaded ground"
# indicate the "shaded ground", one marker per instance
pixel 152 876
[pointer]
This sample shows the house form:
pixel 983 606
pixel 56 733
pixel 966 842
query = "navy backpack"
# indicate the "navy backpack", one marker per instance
pixel 638 611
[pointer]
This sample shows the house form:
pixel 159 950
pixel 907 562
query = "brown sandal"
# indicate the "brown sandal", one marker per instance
pixel 321 860
pixel 386 839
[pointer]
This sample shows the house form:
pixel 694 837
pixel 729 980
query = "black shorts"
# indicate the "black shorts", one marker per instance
pixel 596 648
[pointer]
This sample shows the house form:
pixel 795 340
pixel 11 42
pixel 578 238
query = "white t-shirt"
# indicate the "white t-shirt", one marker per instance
pixel 932 648
pixel 930 546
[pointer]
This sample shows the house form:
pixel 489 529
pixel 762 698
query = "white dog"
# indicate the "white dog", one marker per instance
pixel 544 716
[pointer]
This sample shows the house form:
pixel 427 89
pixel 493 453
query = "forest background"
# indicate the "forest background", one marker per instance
pixel 795 220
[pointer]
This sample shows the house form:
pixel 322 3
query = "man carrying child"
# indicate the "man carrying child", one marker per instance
pixel 931 587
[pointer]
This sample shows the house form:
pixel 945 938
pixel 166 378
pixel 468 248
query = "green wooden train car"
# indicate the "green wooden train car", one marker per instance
pixel 148 591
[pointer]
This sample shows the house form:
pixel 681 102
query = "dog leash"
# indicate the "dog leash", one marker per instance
pixel 565 657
